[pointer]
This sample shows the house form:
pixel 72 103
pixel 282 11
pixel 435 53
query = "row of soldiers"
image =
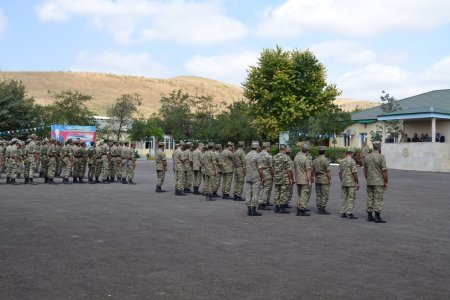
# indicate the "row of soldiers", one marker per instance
pixel 108 162
pixel 262 172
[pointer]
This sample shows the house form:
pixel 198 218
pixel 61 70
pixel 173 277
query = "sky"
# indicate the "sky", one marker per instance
pixel 401 47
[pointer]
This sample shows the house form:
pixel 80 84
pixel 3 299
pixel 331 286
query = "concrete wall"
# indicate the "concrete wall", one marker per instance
pixel 418 156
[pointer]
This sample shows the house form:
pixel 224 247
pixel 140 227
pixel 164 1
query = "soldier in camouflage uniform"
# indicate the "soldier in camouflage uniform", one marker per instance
pixel 59 161
pixel 91 163
pixel 188 168
pixel 106 161
pixel 161 167
pixel 2 157
pixel 44 160
pixel 119 161
pixel 12 155
pixel 218 179
pixel 32 158
pixel 52 156
pixel 197 157
pixel 179 159
pixel 349 184
pixel 227 157
pixel 98 160
pixel 77 156
pixel 129 163
pixel 85 159
pixel 291 187
pixel 283 179
pixel 322 173
pixel 210 171
pixel 26 163
pixel 239 171
pixel 252 179
pixel 115 157
pixel 303 177
pixel 67 160
pixel 375 171
pixel 265 169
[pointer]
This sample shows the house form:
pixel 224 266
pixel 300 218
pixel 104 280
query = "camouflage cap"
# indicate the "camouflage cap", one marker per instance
pixel 181 143
pixel 322 148
pixel 218 146
pixel 188 143
pixel 241 143
pixel 69 140
pixel 211 144
pixel 161 144
pixel 33 135
pixel 201 145
pixel 255 145
pixel 266 144
pixel 351 150
pixel 230 144
pixel 306 147
pixel 77 141
pixel 28 140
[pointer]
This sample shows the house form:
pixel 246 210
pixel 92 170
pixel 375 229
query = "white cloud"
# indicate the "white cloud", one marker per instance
pixel 229 67
pixel 353 17
pixel 199 22
pixel 2 21
pixel 344 52
pixel 119 63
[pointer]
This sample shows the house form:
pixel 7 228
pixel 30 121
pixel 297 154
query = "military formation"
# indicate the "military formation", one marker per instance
pixel 261 173
pixel 73 161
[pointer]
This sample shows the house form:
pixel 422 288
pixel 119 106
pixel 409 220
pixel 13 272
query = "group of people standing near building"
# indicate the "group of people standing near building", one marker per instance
pixel 105 162
pixel 261 172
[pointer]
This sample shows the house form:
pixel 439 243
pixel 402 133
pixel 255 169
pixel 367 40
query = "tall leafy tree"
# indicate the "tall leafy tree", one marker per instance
pixel 175 114
pixel 121 114
pixel 69 108
pixel 143 128
pixel 286 87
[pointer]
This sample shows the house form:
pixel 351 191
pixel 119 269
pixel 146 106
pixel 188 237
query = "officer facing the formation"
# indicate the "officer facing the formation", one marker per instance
pixel 265 169
pixel 322 173
pixel 349 184
pixel 161 167
pixel 179 159
pixel 210 171
pixel 227 157
pixel 197 157
pixel 239 171
pixel 376 174
pixel 252 180
pixel 303 177
pixel 283 179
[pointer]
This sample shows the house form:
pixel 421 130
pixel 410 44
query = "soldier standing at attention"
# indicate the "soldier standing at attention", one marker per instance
pixel 197 167
pixel 322 172
pixel 218 179
pixel 291 187
pixel 283 179
pixel 252 179
pixel 303 177
pixel 265 169
pixel 375 171
pixel 84 161
pixel 26 163
pixel 32 157
pixel 76 160
pixel 210 172
pixel 106 161
pixel 119 161
pixel 179 159
pixel 239 171
pixel 115 158
pixel 188 164
pixel 161 167
pixel 44 160
pixel 98 160
pixel 13 160
pixel 91 163
pixel 2 157
pixel 349 184
pixel 51 154
pixel 59 146
pixel 227 167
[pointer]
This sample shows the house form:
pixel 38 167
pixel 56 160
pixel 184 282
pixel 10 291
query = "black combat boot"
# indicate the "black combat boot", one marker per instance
pixel 27 180
pixel 41 174
pixel 196 192
pixel 180 193
pixel 124 181
pixel 269 204
pixel 276 209
pixel 75 180
pixel 158 188
pixel 130 181
pixel 51 181
pixel 187 191
pixel 351 217
pixel 32 182
pixel 283 209
pixel 238 198
pixel 45 179
pixel 343 215
pixel 226 196
pixel 119 179
pixel 96 180
pixel 255 213
pixel 13 182
pixel 302 213
pixel 80 180
pixel 215 195
pixel 322 211
pixel 370 217
pixel 378 218
pixel 263 207
pixel 8 180
pixel 249 210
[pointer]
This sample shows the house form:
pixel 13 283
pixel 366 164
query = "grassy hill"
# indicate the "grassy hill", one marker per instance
pixel 105 88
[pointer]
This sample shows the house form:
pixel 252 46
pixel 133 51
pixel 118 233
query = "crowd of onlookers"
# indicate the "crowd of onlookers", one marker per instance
pixel 424 137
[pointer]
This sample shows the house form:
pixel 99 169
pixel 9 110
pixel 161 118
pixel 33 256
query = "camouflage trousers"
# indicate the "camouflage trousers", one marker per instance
pixel 115 164
pixel 12 168
pixel 375 198
pixel 347 199
pixel 91 170
pixel 128 169
pixel 76 167
pixel 160 174
pixel 252 193
pixel 68 165
pixel 303 192
pixel 26 165
pixel 2 163
pixel 105 167
pixel 239 177
pixel 227 181
pixel 44 165
pixel 266 188
pixel 281 194
pixel 188 177
pixel 30 166
pixel 51 167
pixel 81 168
pixel 208 184
pixel 59 166
pixel 322 194
pixel 197 178
pixel 98 167
pixel 290 192
pixel 179 180
pixel 217 181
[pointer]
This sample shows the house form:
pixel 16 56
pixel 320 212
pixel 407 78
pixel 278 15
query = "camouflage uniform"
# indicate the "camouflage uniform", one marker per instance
pixel 76 161
pixel 119 160
pixel 265 162
pixel 282 172
pixel 106 159
pixel 239 171
pixel 2 157
pixel 197 157
pixel 59 163
pixel 128 164
pixel 91 163
pixel 321 167
pixel 51 154
pixel 188 169
pixel 227 167
pixel 301 164
pixel 347 167
pixel 252 179
pixel 179 159
pixel 12 154
pixel 210 170
pixel 291 187
pixel 375 164
pixel 26 163
pixel 85 159
pixel 161 168
pixel 218 178
pixel 32 151
pixel 44 159
pixel 98 161
pixel 67 153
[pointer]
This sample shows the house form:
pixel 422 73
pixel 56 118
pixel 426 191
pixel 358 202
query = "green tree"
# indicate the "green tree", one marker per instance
pixel 121 114
pixel 143 128
pixel 175 114
pixel 204 122
pixel 69 108
pixel 329 122
pixel 286 87
pixel 388 104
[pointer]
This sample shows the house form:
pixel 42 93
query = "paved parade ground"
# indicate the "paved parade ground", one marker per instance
pixel 127 242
